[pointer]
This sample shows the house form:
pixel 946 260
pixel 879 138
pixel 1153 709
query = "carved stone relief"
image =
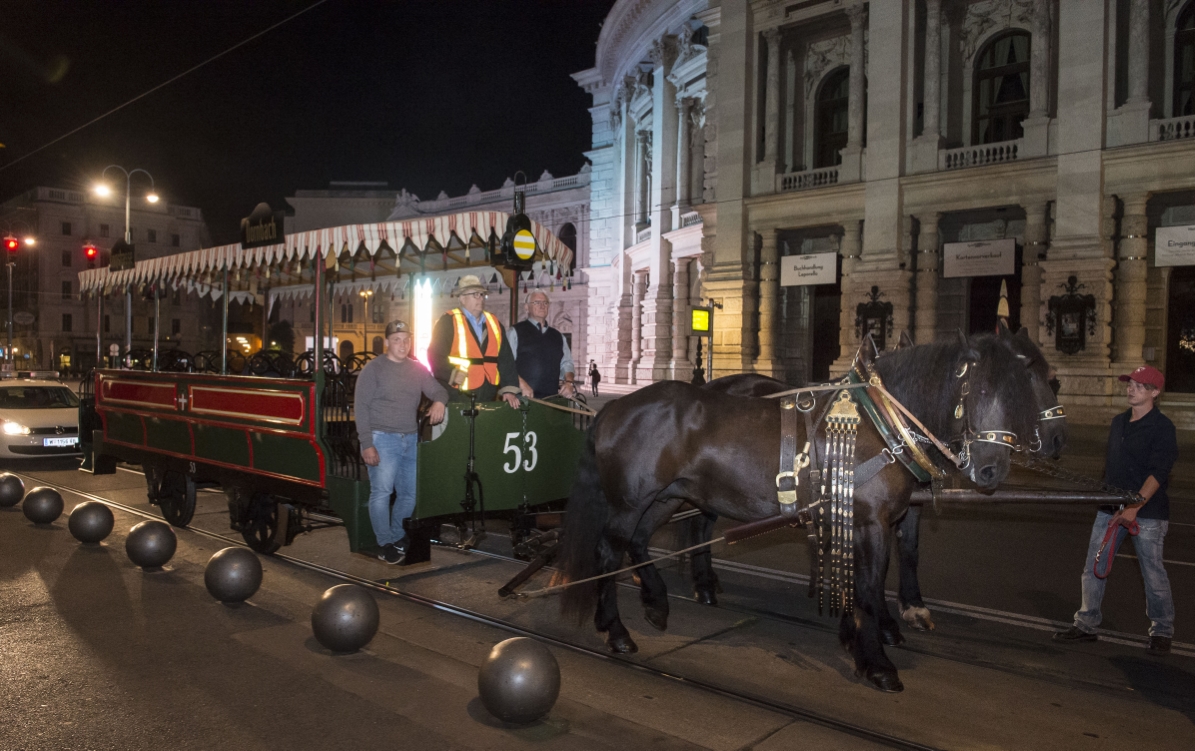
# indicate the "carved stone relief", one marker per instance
pixel 985 15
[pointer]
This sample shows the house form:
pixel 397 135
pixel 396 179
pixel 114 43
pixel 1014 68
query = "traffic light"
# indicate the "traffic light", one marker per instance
pixel 11 244
pixel 92 254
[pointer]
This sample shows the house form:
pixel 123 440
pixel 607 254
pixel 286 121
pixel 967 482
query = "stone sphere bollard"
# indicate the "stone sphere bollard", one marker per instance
pixel 345 618
pixel 42 505
pixel 519 681
pixel 150 544
pixel 233 575
pixel 90 522
pixel 12 490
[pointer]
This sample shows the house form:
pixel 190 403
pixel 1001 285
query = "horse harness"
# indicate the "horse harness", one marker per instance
pixel 819 496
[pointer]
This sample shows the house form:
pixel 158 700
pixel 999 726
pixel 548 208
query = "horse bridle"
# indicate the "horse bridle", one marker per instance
pixel 1005 438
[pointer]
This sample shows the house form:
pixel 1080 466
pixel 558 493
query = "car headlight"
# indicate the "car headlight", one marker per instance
pixel 15 428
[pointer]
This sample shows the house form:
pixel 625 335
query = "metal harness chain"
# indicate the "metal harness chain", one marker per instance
pixel 838 487
pixel 1048 468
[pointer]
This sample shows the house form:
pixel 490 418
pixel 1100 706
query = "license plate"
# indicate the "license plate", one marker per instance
pixel 71 441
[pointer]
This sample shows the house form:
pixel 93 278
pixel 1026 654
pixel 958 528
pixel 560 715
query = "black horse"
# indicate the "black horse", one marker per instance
pixel 1048 440
pixel 671 443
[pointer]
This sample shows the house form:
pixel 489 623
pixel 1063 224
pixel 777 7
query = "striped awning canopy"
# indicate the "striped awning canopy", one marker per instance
pixel 352 253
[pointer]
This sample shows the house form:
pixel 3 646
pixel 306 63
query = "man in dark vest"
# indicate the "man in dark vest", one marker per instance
pixel 541 352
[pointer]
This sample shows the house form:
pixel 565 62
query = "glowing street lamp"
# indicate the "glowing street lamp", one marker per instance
pixel 104 190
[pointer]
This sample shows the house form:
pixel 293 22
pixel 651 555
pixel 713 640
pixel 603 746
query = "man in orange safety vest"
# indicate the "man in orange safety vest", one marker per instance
pixel 469 351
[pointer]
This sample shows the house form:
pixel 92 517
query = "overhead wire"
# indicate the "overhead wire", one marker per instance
pixel 163 85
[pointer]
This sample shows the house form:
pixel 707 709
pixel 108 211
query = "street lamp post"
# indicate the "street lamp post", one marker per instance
pixel 366 297
pixel 103 190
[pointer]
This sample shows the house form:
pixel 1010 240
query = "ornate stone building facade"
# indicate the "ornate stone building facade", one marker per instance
pixel 558 203
pixel 730 135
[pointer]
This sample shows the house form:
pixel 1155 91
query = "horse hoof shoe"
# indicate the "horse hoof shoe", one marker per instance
pixel 892 637
pixel 622 645
pixel 887 682
pixel 705 598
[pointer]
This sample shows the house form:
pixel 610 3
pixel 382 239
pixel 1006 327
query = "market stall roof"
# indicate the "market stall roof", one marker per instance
pixel 354 252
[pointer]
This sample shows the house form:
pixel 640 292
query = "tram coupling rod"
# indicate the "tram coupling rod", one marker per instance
pixel 1014 495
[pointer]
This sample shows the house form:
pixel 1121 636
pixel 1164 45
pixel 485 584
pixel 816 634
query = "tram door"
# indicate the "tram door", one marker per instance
pixel 1180 331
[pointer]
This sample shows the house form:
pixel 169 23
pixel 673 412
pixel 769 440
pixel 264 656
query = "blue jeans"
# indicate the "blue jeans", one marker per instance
pixel 395 472
pixel 1159 603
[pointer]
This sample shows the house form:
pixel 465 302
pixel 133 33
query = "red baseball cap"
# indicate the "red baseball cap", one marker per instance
pixel 1147 376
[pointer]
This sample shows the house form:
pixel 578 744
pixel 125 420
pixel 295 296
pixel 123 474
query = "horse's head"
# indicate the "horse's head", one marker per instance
pixel 1049 435
pixel 990 413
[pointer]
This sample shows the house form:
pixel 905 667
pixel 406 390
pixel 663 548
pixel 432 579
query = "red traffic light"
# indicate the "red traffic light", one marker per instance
pixel 91 252
pixel 12 244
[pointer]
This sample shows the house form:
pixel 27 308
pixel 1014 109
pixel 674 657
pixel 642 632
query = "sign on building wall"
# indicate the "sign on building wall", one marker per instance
pixel 980 258
pixel 803 271
pixel 700 321
pixel 1174 246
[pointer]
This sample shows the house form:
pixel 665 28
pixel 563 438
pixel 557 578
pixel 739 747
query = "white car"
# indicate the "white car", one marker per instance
pixel 38 417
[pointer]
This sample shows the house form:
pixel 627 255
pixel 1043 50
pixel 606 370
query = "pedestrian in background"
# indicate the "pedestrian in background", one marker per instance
pixel 1142 449
pixel 594 377
pixel 386 405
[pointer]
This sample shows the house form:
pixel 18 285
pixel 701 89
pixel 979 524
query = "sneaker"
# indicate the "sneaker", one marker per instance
pixel 391 554
pixel 1159 645
pixel 1074 633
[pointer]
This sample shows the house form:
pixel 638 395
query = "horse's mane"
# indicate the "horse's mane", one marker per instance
pixel 923 379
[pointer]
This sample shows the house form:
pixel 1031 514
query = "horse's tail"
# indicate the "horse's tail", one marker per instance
pixel 584 525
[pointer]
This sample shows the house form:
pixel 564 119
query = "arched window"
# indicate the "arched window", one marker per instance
pixel 568 236
pixel 1001 89
pixel 346 350
pixel 1184 63
pixel 831 119
pixel 377 345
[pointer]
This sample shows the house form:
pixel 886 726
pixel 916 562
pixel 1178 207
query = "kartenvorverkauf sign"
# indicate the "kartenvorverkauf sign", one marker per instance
pixel 804 271
pixel 1174 246
pixel 980 258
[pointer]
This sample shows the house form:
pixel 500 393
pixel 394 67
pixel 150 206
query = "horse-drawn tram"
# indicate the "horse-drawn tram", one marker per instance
pixel 277 432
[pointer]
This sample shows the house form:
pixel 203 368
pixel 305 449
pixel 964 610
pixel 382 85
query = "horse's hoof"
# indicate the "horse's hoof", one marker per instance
pixel 622 645
pixel 657 618
pixel 886 682
pixel 705 597
pixel 918 617
pixel 892 637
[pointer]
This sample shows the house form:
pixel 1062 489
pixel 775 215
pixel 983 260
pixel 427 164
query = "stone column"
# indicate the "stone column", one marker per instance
pixel 851 169
pixel 1138 51
pixel 681 368
pixel 1036 243
pixel 684 155
pixel 933 69
pixel 851 247
pixel 927 279
pixel 1129 314
pixel 1036 126
pixel 641 178
pixel 769 293
pixel 772 97
pixel 638 292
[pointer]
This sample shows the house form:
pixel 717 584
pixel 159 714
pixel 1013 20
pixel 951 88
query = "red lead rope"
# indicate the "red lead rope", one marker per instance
pixel 1118 529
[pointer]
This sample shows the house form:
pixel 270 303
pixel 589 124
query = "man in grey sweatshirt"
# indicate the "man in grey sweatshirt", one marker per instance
pixel 386 405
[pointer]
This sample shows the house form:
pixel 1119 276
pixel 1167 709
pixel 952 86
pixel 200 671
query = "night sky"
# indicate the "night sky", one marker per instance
pixel 429 95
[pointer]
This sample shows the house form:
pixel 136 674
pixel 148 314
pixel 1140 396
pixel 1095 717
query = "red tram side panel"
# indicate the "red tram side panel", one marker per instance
pixel 264 427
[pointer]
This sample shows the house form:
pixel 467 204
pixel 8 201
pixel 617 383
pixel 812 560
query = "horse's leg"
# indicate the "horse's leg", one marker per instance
pixel 652 590
pixel 912 607
pixel 705 579
pixel 860 632
pixel 889 627
pixel 619 530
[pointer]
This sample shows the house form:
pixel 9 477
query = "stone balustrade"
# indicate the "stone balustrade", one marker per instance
pixel 807 179
pixel 977 156
pixel 1172 129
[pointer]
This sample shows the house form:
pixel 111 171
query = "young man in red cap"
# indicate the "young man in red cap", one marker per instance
pixel 1142 448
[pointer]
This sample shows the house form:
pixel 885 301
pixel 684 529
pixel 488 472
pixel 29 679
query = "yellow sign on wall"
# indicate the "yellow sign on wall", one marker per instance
pixel 700 322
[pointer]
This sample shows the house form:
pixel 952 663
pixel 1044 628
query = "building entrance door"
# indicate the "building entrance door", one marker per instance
pixel 984 301
pixel 1180 331
pixel 825 325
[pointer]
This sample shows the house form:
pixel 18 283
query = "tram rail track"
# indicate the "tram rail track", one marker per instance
pixel 782 708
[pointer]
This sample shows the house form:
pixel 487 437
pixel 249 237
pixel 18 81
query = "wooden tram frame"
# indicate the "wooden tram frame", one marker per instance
pixel 284 449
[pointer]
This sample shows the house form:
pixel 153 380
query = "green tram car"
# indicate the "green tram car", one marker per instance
pixel 284 449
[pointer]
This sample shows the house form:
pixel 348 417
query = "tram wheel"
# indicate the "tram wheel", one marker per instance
pixel 269 524
pixel 173 491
